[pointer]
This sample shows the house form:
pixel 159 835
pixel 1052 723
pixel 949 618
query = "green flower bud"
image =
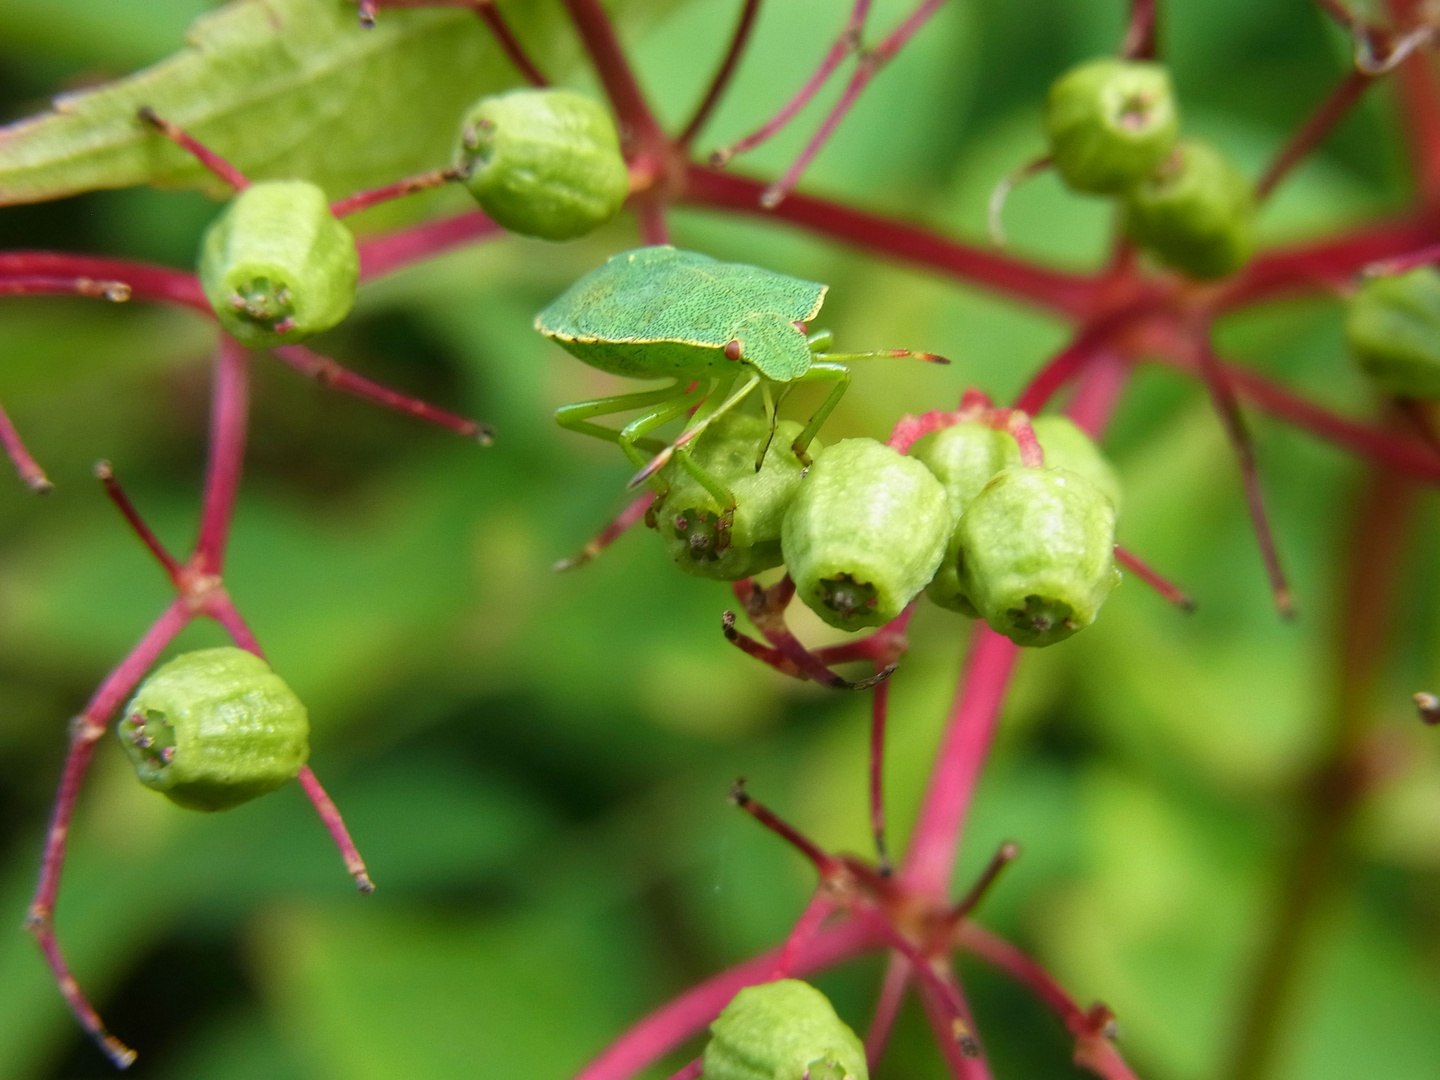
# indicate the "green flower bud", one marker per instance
pixel 1196 213
pixel 215 728
pixel 688 517
pixel 1037 553
pixel 963 458
pixel 277 266
pixel 544 162
pixel 1067 447
pixel 784 1030
pixel 1393 327
pixel 865 533
pixel 1110 123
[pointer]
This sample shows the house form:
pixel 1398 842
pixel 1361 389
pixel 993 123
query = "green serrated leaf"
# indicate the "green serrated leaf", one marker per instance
pixel 282 88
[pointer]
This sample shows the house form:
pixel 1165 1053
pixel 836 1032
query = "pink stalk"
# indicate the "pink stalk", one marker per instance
pixel 1139 41
pixel 870 64
pixel 680 1018
pixel 879 708
pixel 628 517
pixel 1004 855
pixel 638 126
pixel 229 412
pixel 85 732
pixel 887 1007
pixel 650 213
pixel 820 908
pixel 145 281
pixel 691 1070
pixel 328 373
pixel 954 1033
pixel 384 254
pixel 1141 569
pixel 847 43
pixel 117 292
pixel 1330 112
pixel 723 74
pixel 29 470
pixel 202 153
pixel 325 807
pixel 1403 264
pixel 1053 289
pixel 106 475
pixel 364 200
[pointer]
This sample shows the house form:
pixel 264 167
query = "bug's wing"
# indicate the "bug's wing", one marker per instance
pixel 774 344
pixel 648 294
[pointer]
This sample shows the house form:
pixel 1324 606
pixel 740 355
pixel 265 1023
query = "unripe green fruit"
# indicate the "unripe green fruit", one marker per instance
pixel 1110 123
pixel 277 266
pixel 544 162
pixel 688 516
pixel 1196 212
pixel 215 728
pixel 1067 447
pixel 1393 327
pixel 865 533
pixel 1037 553
pixel 784 1030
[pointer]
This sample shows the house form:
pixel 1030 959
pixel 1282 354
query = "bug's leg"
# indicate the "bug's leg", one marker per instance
pixel 577 417
pixel 821 371
pixel 187 142
pixel 634 431
pixel 820 341
pixel 696 429
pixel 882 354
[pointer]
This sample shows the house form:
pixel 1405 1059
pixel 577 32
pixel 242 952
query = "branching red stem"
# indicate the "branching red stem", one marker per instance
pixel 28 468
pixel 887 1008
pixel 393 251
pixel 106 475
pixel 145 281
pixel 364 200
pixel 1313 132
pixel 638 127
pixel 229 414
pixel 1141 569
pixel 202 153
pixel 723 74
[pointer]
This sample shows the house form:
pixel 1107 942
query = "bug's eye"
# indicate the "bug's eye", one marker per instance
pixel 544 163
pixel 1195 213
pixel 1110 123
pixel 866 532
pixel 1392 325
pixel 1037 553
pixel 277 266
pixel 783 1030
pixel 214 728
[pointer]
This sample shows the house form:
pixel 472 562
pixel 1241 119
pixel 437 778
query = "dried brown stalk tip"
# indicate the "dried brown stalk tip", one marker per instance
pixel 1428 705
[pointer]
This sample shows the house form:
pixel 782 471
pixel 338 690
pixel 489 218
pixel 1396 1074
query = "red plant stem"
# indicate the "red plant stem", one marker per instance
pixel 820 908
pixel 941 1017
pixel 28 468
pixel 847 43
pixel 638 127
pixel 1314 130
pixel 106 475
pixel 1139 43
pixel 1222 394
pixel 393 251
pixel 723 74
pixel 202 153
pixel 328 373
pixel 85 732
pixel 146 282
pixel 966 744
pixel 691 1070
pixel 364 200
pixel 1403 264
pixel 887 1008
pixel 117 292
pixel 488 11
pixel 1004 855
pixel 871 62
pixel 683 1016
pixel 1093 1050
pixel 879 707
pixel 650 213
pixel 1067 293
pixel 628 517
pixel 222 609
pixel 1420 106
pixel 1141 569
pixel 825 863
pixel 325 807
pixel 229 413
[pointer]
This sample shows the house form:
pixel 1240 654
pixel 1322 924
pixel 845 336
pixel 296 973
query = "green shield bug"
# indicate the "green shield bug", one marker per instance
pixel 718 330
pixel 277 265
pixel 783 1030
pixel 215 728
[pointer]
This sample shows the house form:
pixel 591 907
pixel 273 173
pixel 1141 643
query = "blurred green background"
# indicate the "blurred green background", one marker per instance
pixel 535 766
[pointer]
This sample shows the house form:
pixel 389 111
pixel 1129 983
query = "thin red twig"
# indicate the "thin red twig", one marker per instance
pixel 650 214
pixel 325 807
pixel 364 200
pixel 1004 855
pixel 819 908
pixel 28 468
pixel 638 126
pixel 879 708
pixel 328 373
pixel 955 1035
pixel 1141 569
pixel 106 475
pixel 1403 264
pixel 825 863
pixel 202 153
pixel 394 251
pixel 1420 106
pixel 230 409
pixel 65 271
pixel 723 74
pixel 1313 132
pixel 691 1070
pixel 488 11
pixel 632 514
pixel 1140 34
pixel 887 1008
pixel 117 292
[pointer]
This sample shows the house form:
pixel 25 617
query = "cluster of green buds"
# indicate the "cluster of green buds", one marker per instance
pixel 215 728
pixel 1392 325
pixel 782 1030
pixel 1113 130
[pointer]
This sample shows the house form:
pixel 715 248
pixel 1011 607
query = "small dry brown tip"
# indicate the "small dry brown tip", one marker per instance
pixel 363 883
pixel 118 1052
pixel 1187 604
pixel 964 1038
pixel 39 484
pixel 1285 605
pixel 772 197
pixel 1428 705
pixel 484 435
pixel 146 115
pixel 104 470
pixel 720 158
pixel 727 624
pixel 738 795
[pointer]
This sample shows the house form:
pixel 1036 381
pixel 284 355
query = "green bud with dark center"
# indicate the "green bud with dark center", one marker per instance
pixel 1067 447
pixel 688 518
pixel 865 533
pixel 1110 123
pixel 277 266
pixel 1195 213
pixel 1392 325
pixel 783 1030
pixel 1037 553
pixel 215 728
pixel 544 162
